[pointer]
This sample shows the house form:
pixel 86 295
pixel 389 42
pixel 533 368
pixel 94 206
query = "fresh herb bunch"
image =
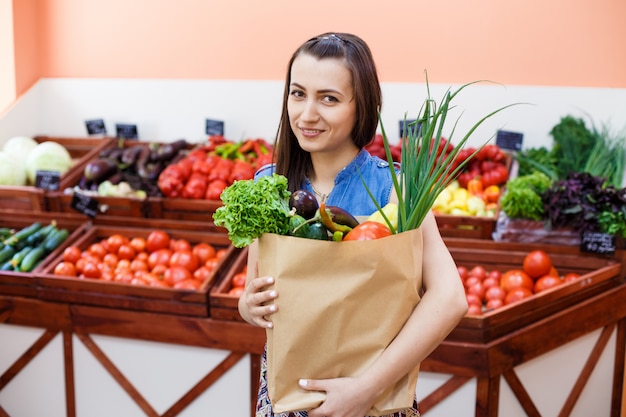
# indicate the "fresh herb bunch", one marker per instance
pixel 579 201
pixel 252 208
pixel 536 159
pixel 424 173
pixel 523 196
pixel 607 159
pixel 573 143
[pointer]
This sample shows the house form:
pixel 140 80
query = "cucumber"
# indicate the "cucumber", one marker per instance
pixel 32 258
pixel 7 266
pixel 55 239
pixel 17 258
pixel 24 233
pixel 6 253
pixel 40 235
pixel 5 232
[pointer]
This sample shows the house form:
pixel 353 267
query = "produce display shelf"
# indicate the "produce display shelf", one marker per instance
pixel 24 283
pixel 96 292
pixel 598 273
pixel 33 199
pixel 224 306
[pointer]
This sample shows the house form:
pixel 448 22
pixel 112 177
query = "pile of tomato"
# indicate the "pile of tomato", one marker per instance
pixel 157 260
pixel 490 290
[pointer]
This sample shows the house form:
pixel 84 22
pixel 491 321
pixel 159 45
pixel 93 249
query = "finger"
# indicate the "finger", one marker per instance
pixel 311 384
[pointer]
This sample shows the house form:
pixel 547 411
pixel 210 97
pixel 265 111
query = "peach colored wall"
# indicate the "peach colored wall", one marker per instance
pixel 26 32
pixel 533 42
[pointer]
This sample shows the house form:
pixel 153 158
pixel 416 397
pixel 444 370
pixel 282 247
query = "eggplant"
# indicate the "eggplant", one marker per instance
pixel 341 216
pixel 130 155
pixel 150 170
pixel 100 169
pixel 304 203
pixel 114 153
pixel 167 151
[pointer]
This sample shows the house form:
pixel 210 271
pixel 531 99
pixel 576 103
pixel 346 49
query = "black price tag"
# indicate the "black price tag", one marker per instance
pixel 214 127
pixel 48 180
pixel 85 204
pixel 126 131
pixel 96 127
pixel 511 141
pixel 596 242
pixel 406 126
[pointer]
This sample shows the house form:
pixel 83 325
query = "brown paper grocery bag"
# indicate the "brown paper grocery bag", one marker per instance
pixel 340 305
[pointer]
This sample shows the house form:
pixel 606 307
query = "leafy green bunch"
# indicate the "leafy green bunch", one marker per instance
pixel 424 172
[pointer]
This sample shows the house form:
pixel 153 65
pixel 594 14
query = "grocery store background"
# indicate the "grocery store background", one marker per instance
pixel 168 65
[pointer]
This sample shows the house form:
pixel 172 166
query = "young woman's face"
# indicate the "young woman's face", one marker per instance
pixel 321 105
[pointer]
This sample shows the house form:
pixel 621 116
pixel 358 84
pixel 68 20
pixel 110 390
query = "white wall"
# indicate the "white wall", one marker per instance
pixel 165 110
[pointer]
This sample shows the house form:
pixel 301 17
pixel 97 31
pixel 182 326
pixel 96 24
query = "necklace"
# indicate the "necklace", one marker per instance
pixel 320 195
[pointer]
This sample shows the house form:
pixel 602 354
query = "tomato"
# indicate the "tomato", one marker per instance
pixel 157 239
pixel 491 282
pixel 239 279
pixel 65 268
pixel 80 265
pixel 159 257
pixel 110 259
pixel 126 252
pixel 537 263
pixel 138 243
pixel 203 251
pixel 572 276
pixel 546 282
pixel 471 280
pixel 474 309
pixel 517 294
pixel 554 272
pixel 97 249
pixel 138 265
pixel 494 303
pixel 91 270
pixel 175 274
pixel 72 254
pixel 478 289
pixel 495 293
pixel 221 253
pixel 154 280
pixel 473 299
pixel 212 263
pixel 368 230
pixel 478 271
pixel 202 274
pixel 516 278
pixel 179 245
pixel 158 270
pixel 475 186
pixel 115 241
pixel 184 258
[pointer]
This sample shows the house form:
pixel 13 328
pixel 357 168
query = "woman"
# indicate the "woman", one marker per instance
pixel 330 112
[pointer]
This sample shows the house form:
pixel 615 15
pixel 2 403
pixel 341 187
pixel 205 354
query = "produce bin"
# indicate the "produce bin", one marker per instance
pixel 469 227
pixel 223 305
pixel 32 199
pixel 96 292
pixel 23 283
pixel 182 208
pixel 598 273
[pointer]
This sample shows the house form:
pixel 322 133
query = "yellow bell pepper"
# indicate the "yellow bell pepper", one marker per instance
pixel 391 211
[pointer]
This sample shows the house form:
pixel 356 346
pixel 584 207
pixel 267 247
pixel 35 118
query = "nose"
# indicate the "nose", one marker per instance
pixel 309 111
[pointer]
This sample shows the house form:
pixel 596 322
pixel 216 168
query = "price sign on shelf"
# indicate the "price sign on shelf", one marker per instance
pixel 405 125
pixel 48 180
pixel 511 141
pixel 596 242
pixel 85 204
pixel 214 127
pixel 96 127
pixel 126 131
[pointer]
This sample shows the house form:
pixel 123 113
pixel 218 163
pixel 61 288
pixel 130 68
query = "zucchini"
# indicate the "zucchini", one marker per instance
pixel 7 266
pixel 5 232
pixel 40 235
pixel 55 239
pixel 32 258
pixel 24 233
pixel 6 253
pixel 17 258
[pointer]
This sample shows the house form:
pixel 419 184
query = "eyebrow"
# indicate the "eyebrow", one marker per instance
pixel 325 91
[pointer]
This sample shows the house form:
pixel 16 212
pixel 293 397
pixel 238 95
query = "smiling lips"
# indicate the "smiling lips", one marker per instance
pixel 310 132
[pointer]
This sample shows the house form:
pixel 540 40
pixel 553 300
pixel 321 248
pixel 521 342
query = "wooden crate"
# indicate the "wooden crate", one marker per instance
pixel 30 198
pixel 223 305
pixel 134 297
pixel 23 283
pixel 598 273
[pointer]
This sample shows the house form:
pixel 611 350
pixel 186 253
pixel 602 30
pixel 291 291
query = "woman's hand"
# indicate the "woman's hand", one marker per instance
pixel 345 397
pixel 257 302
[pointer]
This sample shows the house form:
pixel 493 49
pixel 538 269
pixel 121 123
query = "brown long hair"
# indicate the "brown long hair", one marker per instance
pixel 291 160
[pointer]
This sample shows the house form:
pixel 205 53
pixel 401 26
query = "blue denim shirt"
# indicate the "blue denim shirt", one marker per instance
pixel 349 192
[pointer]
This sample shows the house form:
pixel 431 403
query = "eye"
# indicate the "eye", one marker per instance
pixel 296 93
pixel 330 99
